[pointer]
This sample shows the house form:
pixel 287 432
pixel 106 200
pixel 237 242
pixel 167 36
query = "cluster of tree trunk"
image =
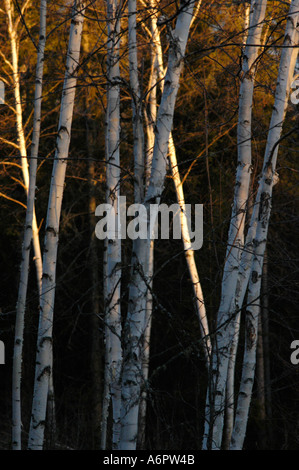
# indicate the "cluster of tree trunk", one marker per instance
pixel 120 405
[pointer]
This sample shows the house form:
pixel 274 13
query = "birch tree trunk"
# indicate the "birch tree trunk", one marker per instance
pixel 30 221
pixel 158 73
pixel 230 383
pixel 146 351
pixel 216 396
pixel 189 255
pixel 113 308
pixel 12 30
pixel 138 137
pixel 44 340
pixel 264 201
pixel 132 375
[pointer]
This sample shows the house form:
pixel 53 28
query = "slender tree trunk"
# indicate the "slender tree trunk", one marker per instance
pixel 44 340
pixel 230 384
pixel 157 73
pixel 20 132
pixel 132 376
pixel 216 396
pixel 261 219
pixel 106 388
pixel 146 353
pixel 189 255
pixel 113 307
pixel 29 223
pixel 138 137
pixel 196 10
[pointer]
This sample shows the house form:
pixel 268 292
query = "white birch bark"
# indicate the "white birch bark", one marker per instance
pixel 146 351
pixel 226 331
pixel 132 370
pixel 138 137
pixel 159 73
pixel 263 202
pixel 20 131
pixel 132 375
pixel 230 386
pixel 113 312
pixel 151 112
pixel 106 388
pixel 44 340
pixel 21 303
pixel 230 383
